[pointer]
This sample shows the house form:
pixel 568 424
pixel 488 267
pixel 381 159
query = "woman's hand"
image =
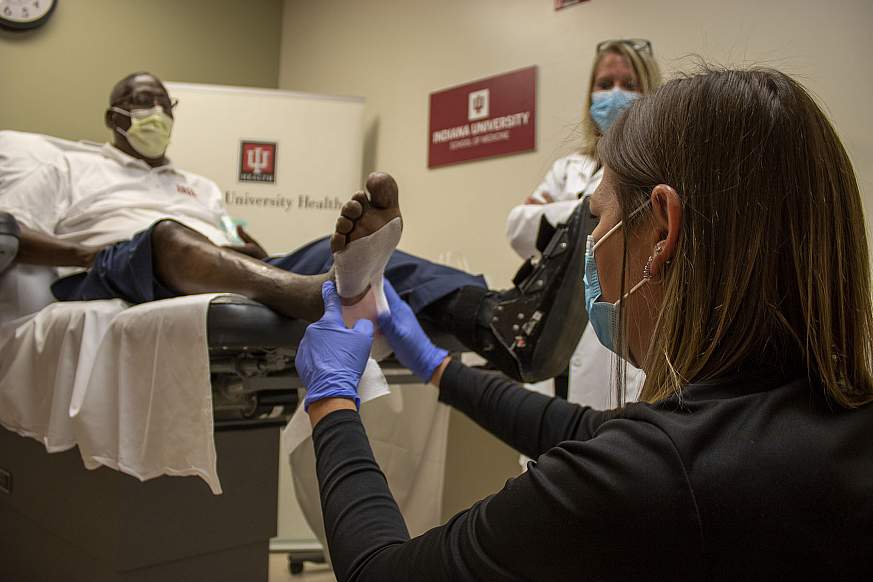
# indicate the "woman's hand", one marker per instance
pixel 410 344
pixel 331 358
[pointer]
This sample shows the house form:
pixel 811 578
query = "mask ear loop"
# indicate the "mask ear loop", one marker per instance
pixel 606 236
pixel 646 270
pixel 619 225
pixel 126 113
pixel 633 289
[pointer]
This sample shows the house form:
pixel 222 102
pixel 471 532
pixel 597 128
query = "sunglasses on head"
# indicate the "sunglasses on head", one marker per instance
pixel 640 45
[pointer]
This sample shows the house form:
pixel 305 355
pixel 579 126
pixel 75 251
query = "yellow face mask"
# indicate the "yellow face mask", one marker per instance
pixel 149 131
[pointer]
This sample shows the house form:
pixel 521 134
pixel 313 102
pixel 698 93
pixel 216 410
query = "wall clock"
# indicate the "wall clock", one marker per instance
pixel 25 14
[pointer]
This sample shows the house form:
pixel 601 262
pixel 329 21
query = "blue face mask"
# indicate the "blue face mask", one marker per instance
pixel 606 106
pixel 602 315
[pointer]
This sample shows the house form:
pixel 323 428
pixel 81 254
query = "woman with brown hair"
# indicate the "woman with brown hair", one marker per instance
pixel 730 262
pixel 622 71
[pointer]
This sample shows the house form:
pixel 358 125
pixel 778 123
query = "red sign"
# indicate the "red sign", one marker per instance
pixel 485 118
pixel 257 162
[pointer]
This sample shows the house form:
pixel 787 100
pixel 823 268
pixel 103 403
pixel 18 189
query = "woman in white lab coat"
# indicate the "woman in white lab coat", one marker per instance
pixel 622 71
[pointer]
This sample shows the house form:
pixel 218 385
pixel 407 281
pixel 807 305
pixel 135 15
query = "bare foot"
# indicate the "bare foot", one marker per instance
pixel 363 216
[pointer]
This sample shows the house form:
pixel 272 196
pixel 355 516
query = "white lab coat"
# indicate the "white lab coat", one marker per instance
pixel 592 366
pixel 568 181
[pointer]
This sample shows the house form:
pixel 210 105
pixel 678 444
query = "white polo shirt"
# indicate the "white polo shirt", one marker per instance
pixel 96 195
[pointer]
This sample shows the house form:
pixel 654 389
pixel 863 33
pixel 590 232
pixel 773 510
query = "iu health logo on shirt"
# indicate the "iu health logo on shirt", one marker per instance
pixel 257 161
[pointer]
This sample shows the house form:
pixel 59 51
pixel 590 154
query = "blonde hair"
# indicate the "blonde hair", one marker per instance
pixel 646 70
pixel 771 273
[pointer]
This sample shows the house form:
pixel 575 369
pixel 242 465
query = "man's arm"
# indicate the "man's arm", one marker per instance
pixel 36 248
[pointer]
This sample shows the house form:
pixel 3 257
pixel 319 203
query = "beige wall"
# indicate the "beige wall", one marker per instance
pixel 57 79
pixel 396 53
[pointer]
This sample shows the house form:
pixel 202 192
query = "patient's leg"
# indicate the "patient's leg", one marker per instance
pixel 190 263
pixel 367 232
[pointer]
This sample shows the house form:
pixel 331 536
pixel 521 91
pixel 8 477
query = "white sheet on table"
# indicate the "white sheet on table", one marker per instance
pixel 42 359
pixel 129 385
pixel 146 409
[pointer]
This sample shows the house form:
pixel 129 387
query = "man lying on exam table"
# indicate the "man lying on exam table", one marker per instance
pixel 730 262
pixel 141 229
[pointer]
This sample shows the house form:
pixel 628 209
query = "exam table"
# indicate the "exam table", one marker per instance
pixel 59 521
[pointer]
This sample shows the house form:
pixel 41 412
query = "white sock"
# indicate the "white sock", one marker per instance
pixel 362 264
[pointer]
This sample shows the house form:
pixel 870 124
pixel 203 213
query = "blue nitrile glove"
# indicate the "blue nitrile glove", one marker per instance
pixel 410 344
pixel 331 358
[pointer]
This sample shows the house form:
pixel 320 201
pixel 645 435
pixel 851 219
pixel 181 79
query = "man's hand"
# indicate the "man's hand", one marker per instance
pixel 86 255
pixel 252 248
pixel 547 199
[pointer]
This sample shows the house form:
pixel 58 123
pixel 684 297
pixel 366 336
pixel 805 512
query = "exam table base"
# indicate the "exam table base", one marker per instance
pixel 61 521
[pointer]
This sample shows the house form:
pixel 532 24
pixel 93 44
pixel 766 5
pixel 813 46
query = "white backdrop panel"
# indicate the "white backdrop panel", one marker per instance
pixel 318 158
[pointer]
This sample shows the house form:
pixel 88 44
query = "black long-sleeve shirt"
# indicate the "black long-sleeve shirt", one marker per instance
pixel 740 481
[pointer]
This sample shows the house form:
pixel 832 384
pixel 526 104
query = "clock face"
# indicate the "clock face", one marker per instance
pixel 23 14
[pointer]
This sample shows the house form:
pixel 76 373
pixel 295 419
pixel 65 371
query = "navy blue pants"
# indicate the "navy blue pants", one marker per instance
pixel 124 271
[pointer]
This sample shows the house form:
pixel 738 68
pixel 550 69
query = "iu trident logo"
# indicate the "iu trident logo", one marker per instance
pixel 477 104
pixel 257 159
pixel 257 162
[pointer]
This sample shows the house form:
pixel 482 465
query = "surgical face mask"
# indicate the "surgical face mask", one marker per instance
pixel 602 315
pixel 149 131
pixel 606 106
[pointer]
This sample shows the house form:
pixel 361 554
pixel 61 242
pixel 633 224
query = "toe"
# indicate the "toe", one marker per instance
pixel 353 209
pixel 344 225
pixel 337 242
pixel 382 189
pixel 362 200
